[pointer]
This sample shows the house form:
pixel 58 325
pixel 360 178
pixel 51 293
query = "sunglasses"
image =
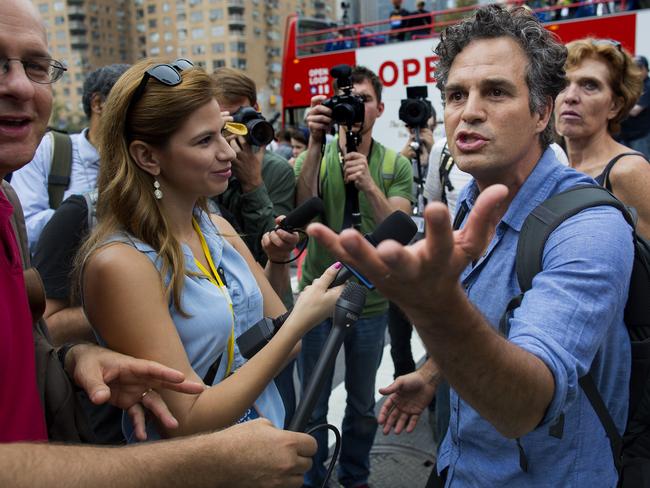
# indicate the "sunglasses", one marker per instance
pixel 167 74
pixel 608 42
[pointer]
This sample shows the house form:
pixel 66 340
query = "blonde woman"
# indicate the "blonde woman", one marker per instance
pixel 604 84
pixel 162 278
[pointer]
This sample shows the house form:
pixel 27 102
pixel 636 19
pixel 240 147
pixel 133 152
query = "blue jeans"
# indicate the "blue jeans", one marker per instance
pixel 363 345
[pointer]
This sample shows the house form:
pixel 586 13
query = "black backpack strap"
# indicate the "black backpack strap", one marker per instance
pixel 606 183
pixel 60 169
pixel 615 440
pixel 545 218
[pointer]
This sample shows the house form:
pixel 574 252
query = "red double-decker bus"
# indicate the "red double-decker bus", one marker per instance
pixel 313 46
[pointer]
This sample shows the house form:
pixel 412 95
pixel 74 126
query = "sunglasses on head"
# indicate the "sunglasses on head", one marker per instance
pixel 608 42
pixel 167 74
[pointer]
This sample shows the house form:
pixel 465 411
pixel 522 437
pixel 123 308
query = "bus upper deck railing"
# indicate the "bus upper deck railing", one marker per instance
pixel 430 24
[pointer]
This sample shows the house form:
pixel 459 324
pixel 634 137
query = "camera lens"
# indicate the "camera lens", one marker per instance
pixel 343 113
pixel 260 132
pixel 414 112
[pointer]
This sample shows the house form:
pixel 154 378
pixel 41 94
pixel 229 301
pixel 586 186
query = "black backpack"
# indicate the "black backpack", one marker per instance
pixel 631 452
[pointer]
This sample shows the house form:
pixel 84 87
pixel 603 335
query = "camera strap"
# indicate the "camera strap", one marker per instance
pixel 351 212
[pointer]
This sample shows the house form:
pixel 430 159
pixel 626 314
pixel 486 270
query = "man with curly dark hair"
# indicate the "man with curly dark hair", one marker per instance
pixel 517 414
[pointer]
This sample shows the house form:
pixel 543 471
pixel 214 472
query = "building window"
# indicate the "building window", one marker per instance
pixel 154 51
pixel 59 6
pixel 238 63
pixel 182 34
pixel 166 7
pixel 198 33
pixel 154 37
pixel 218 63
pixel 167 21
pixel 60 35
pixel 168 36
pixel 216 14
pixel 196 16
pixel 218 47
pixel 59 20
pixel 151 8
pixel 217 31
pixel 153 23
pixel 238 47
pixel 198 49
pixel 169 49
pixel 43 7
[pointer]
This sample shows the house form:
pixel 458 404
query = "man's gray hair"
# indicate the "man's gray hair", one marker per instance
pixel 545 75
pixel 101 81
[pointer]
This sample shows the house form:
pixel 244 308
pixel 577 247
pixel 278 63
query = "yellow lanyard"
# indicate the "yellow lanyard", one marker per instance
pixel 215 279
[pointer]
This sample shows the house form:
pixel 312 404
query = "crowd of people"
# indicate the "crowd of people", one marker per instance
pixel 155 231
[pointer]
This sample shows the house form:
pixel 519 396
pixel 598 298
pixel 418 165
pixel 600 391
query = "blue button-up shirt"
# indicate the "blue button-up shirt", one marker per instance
pixel 571 319
pixel 30 182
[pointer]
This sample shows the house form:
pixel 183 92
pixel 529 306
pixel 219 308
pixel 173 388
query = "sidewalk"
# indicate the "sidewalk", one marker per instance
pixel 400 461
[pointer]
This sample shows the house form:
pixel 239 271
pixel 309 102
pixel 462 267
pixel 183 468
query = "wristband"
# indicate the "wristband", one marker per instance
pixel 63 351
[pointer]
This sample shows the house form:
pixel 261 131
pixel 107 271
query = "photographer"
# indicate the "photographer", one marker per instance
pixel 426 142
pixel 263 184
pixel 381 180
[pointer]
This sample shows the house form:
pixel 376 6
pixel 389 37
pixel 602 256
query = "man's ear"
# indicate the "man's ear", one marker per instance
pixel 96 103
pixel 142 154
pixel 380 109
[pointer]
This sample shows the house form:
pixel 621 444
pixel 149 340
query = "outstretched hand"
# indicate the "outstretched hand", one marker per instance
pixel 423 276
pixel 127 382
pixel 408 396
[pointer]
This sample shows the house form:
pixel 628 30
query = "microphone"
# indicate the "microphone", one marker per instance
pixel 346 312
pixel 398 226
pixel 259 335
pixel 302 215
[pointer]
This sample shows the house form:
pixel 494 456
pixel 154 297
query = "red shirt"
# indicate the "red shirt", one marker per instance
pixel 21 412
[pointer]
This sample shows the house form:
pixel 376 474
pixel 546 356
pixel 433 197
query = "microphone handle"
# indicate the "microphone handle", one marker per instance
pixel 323 367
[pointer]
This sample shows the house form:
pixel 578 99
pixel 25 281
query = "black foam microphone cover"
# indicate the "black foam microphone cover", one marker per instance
pixel 349 305
pixel 398 226
pixel 302 215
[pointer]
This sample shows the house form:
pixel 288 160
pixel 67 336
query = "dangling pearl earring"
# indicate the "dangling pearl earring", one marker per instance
pixel 157 192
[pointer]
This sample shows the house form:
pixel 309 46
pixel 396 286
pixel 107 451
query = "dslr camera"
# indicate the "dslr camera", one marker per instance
pixel 347 109
pixel 260 131
pixel 416 110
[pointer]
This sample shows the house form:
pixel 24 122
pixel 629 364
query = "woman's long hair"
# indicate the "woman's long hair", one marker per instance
pixel 126 202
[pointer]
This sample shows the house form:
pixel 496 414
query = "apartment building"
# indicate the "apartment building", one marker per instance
pixel 244 34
